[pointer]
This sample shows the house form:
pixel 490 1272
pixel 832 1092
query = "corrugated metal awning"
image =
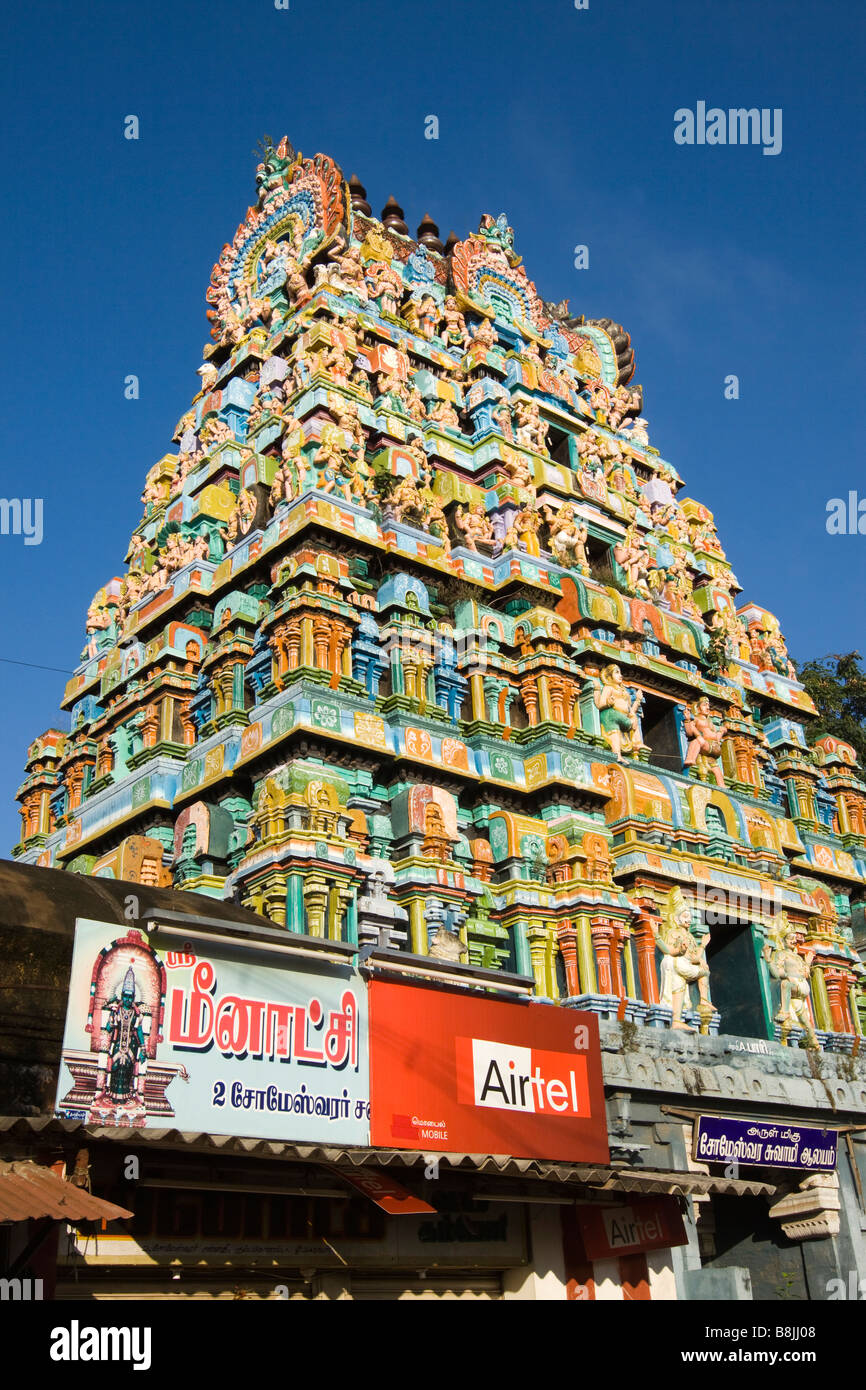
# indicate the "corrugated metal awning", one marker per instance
pixel 601 1178
pixel 28 1191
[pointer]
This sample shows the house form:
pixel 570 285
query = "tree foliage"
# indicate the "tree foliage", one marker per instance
pixel 837 684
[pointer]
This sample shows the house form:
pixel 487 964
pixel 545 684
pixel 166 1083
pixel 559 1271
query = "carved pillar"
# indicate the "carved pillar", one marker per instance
pixel 544 699
pixel 837 993
pixel 601 941
pixel 586 956
pixel 646 957
pixel 476 687
pixel 321 642
pixel 567 938
pixel 316 904
pixel 418 927
pixel 529 692
pixel 624 938
pixel 307 658
pixel 538 955
pixel 820 1000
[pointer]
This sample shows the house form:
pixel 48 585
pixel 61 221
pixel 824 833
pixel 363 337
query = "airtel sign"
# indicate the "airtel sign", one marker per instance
pixel 462 1074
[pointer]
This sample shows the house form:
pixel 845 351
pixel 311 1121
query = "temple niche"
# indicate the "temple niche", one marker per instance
pixel 420 643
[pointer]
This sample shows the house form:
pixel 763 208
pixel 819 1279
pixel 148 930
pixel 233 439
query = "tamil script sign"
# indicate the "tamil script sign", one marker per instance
pixel 234 1041
pixel 761 1144
pixel 457 1073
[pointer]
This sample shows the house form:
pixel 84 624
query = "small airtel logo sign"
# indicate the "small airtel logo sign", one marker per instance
pixel 525 1080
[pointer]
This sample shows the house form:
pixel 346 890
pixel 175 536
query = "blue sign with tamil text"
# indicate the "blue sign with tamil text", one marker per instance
pixel 761 1144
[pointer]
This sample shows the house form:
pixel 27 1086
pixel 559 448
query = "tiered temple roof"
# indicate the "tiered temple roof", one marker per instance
pixel 420 643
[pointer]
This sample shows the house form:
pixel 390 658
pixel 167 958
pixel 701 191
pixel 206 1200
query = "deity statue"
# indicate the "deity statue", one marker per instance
pixel 330 458
pixel 337 363
pixel 185 463
pixel 705 733
pixel 791 968
pixel 428 316
pixel 637 431
pixel 518 469
pixel 526 523
pixel 120 1078
pixel 406 498
pixel 568 537
pixel 414 405
pixel 153 495
pixel 502 416
pixel 455 332
pixel 284 487
pixel 391 385
pixel 296 284
pixel 674 585
pixel 436 522
pixel 591 453
pixel 619 711
pixel 530 430
pixel 485 334
pixel 475 525
pixel 632 556
pixel 345 273
pixel 684 963
pixel 418 454
pixel 442 412
pixel 215 431
pixel 385 285
pixel 622 403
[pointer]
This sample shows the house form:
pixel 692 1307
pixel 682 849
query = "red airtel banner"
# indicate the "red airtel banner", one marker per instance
pixel 459 1074
pixel 645 1223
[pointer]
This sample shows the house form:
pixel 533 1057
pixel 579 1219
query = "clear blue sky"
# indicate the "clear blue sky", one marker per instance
pixel 717 260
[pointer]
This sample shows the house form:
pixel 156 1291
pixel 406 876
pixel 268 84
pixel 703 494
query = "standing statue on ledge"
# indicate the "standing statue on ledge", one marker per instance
pixel 568 538
pixel 705 732
pixel 792 970
pixel 684 963
pixel 618 706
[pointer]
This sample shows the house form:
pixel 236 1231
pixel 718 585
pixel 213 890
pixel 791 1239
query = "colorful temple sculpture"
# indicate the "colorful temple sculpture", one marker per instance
pixel 421 644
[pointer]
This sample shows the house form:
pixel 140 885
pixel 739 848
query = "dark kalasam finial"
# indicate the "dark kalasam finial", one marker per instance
pixel 392 217
pixel 428 234
pixel 358 195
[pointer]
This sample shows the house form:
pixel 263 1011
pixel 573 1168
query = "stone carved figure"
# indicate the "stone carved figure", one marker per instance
pixel 385 285
pixel 791 968
pixel 684 963
pixel 619 711
pixel 632 555
pixel 455 332
pixel 475 525
pixel 568 537
pixel 705 733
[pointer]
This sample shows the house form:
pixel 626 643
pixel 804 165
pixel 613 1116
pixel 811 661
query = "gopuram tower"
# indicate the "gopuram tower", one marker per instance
pixel 421 645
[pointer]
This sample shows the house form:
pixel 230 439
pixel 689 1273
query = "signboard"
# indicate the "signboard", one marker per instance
pixel 227 1042
pixel 761 1144
pixel 646 1223
pixel 388 1194
pixel 461 1074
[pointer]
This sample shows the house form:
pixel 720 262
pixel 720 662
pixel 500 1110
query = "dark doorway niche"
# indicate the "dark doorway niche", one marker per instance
pixel 660 732
pixel 746 1235
pixel 735 982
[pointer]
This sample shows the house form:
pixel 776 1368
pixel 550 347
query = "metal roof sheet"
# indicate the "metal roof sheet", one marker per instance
pixel 30 1191
pixel 600 1177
